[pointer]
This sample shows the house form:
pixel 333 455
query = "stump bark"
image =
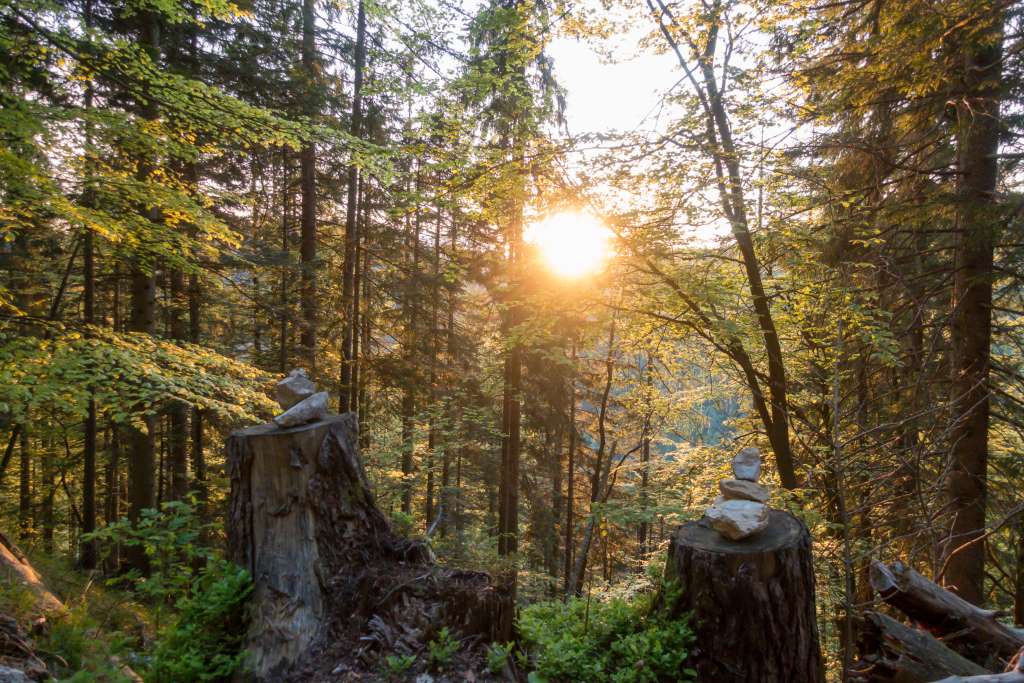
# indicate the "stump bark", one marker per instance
pixel 752 602
pixel 326 567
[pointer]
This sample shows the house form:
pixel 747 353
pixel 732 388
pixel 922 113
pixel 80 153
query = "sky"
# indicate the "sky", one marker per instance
pixel 604 96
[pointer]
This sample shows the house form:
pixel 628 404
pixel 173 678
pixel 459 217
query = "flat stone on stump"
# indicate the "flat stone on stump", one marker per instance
pixel 307 410
pixel 737 519
pixel 740 489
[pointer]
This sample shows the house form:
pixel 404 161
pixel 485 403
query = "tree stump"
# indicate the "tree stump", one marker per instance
pixel 282 531
pixel 752 602
pixel 328 572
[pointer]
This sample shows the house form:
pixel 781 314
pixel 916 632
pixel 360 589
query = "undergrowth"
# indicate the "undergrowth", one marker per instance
pixel 612 640
pixel 196 596
pixel 183 621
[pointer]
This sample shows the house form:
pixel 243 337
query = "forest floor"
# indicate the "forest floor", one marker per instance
pixel 387 624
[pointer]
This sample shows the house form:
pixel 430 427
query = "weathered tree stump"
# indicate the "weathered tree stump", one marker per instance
pixel 326 567
pixel 752 602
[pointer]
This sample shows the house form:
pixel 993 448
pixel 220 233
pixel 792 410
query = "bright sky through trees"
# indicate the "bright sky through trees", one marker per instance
pixel 572 244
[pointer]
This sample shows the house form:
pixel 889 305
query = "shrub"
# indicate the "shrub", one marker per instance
pixel 397 665
pixel 402 523
pixel 204 643
pixel 611 641
pixel 197 596
pixel 442 649
pixel 497 656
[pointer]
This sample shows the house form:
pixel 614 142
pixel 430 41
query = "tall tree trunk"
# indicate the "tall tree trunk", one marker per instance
pixel 971 326
pixel 1018 576
pixel 570 479
pixel 432 383
pixel 349 300
pixel 141 439
pixel 89 554
pixel 644 530
pixel 307 162
pixel 363 366
pixel 508 488
pixel 141 493
pixel 195 293
pixel 284 308
pixel 177 450
pixel 112 501
pixel 357 284
pixel 48 492
pixel 555 455
pixel 450 498
pixel 599 476
pixel 25 485
pixel 411 306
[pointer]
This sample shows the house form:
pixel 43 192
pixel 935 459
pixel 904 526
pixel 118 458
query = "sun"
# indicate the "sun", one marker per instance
pixel 572 244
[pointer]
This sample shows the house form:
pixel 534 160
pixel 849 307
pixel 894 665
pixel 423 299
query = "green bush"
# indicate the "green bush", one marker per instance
pixel 442 649
pixel 398 665
pixel 402 523
pixel 497 656
pixel 197 597
pixel 204 643
pixel 611 641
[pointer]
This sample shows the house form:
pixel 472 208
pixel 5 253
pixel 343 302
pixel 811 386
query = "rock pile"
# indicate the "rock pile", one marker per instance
pixel 300 400
pixel 740 511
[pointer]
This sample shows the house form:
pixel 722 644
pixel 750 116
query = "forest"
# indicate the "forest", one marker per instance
pixel 512 340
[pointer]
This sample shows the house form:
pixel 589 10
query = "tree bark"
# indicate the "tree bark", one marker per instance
pixel 24 486
pixel 570 480
pixel 752 602
pixel 508 482
pixel 350 300
pixel 141 493
pixel 307 163
pixel 89 554
pixel 141 439
pixel 971 323
pixel 177 448
pixel 194 332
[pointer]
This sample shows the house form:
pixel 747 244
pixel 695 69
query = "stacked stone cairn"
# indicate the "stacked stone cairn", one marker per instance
pixel 741 510
pixel 299 400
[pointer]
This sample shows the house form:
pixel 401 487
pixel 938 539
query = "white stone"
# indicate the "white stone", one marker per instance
pixel 747 464
pixel 306 410
pixel 737 519
pixel 294 388
pixel 9 675
pixel 741 489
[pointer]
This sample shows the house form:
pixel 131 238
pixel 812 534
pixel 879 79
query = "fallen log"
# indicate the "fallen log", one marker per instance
pixel 15 569
pixel 1014 674
pixel 970 630
pixel 1010 677
pixel 891 652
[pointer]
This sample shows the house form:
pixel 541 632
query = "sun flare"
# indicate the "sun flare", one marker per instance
pixel 572 244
